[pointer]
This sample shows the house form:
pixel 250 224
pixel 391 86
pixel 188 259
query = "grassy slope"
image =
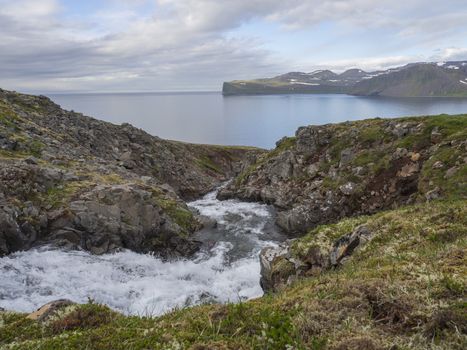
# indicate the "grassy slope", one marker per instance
pixel 404 290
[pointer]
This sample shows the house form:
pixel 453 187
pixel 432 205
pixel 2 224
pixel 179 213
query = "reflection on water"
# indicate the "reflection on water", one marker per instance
pixel 244 120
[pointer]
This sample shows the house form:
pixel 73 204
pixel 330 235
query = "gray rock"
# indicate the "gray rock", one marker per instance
pixel 401 130
pixel 433 194
pixel 31 160
pixel 279 267
pixel 311 138
pixel 346 156
pixel 348 188
pixel 269 256
pixel 400 153
pixel 451 172
pixel 11 236
pixel 282 168
pixel 298 219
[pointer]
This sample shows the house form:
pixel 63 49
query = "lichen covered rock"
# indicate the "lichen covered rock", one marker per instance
pixel 333 171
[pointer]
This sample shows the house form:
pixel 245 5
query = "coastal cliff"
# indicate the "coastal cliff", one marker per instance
pixel 422 79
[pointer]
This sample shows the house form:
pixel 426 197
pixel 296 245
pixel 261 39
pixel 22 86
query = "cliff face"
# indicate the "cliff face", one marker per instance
pixel 328 172
pixel 71 180
pixel 417 80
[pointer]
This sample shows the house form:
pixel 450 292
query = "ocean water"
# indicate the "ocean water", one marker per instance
pixel 244 120
pixel 225 270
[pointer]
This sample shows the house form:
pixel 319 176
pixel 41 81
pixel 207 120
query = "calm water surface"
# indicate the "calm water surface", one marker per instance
pixel 208 117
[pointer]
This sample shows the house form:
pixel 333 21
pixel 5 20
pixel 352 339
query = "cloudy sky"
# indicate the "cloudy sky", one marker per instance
pixel 153 45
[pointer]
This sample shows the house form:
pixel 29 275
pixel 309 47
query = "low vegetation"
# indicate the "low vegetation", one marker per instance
pixel 405 289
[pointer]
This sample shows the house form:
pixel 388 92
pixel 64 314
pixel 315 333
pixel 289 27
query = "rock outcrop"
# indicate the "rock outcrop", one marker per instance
pixel 73 181
pixel 333 171
pixel 282 265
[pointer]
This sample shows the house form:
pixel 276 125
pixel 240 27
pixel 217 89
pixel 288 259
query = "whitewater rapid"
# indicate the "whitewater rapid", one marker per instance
pixel 225 270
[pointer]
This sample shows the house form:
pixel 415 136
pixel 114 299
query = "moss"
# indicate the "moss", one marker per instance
pixel 8 118
pixel 366 157
pixel 17 328
pixel 207 163
pixel 61 194
pixel 182 216
pixel 36 147
pixel 449 127
pixel 337 146
pixel 372 133
pixel 243 176
pixel 285 144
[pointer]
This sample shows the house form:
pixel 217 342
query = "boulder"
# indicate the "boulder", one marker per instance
pixel 49 310
pixel 346 156
pixel 280 266
pixel 298 219
pixel 347 244
pixel 12 237
pixel 276 268
pixel 311 138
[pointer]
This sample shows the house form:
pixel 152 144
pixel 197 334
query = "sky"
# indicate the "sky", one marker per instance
pixel 52 46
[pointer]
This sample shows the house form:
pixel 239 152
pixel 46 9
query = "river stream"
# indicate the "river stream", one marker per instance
pixel 225 270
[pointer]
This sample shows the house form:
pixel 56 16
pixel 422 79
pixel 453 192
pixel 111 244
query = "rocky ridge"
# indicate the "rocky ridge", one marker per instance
pixel 73 181
pixel 332 171
pixel 327 173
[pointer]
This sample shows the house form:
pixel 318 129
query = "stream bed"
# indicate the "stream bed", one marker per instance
pixel 226 269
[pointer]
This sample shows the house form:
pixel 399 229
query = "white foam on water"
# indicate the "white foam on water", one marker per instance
pixel 140 283
pixel 235 215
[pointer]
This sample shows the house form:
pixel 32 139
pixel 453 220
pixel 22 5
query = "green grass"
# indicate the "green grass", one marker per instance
pixel 207 163
pixel 403 289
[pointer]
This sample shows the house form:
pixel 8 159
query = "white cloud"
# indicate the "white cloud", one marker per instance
pixel 450 54
pixel 182 44
pixel 368 63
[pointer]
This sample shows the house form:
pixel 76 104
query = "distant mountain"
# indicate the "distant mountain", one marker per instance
pixel 440 79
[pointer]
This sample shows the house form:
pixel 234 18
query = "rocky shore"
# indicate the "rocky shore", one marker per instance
pixel 73 181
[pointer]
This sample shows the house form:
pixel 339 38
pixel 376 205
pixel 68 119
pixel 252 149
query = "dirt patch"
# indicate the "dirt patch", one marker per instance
pixel 447 320
pixel 87 316
pixel 389 310
pixel 361 343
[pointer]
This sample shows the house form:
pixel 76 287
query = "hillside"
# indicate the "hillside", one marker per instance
pixel 376 211
pixel 443 79
pixel 405 289
pixel 74 181
pixel 332 171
